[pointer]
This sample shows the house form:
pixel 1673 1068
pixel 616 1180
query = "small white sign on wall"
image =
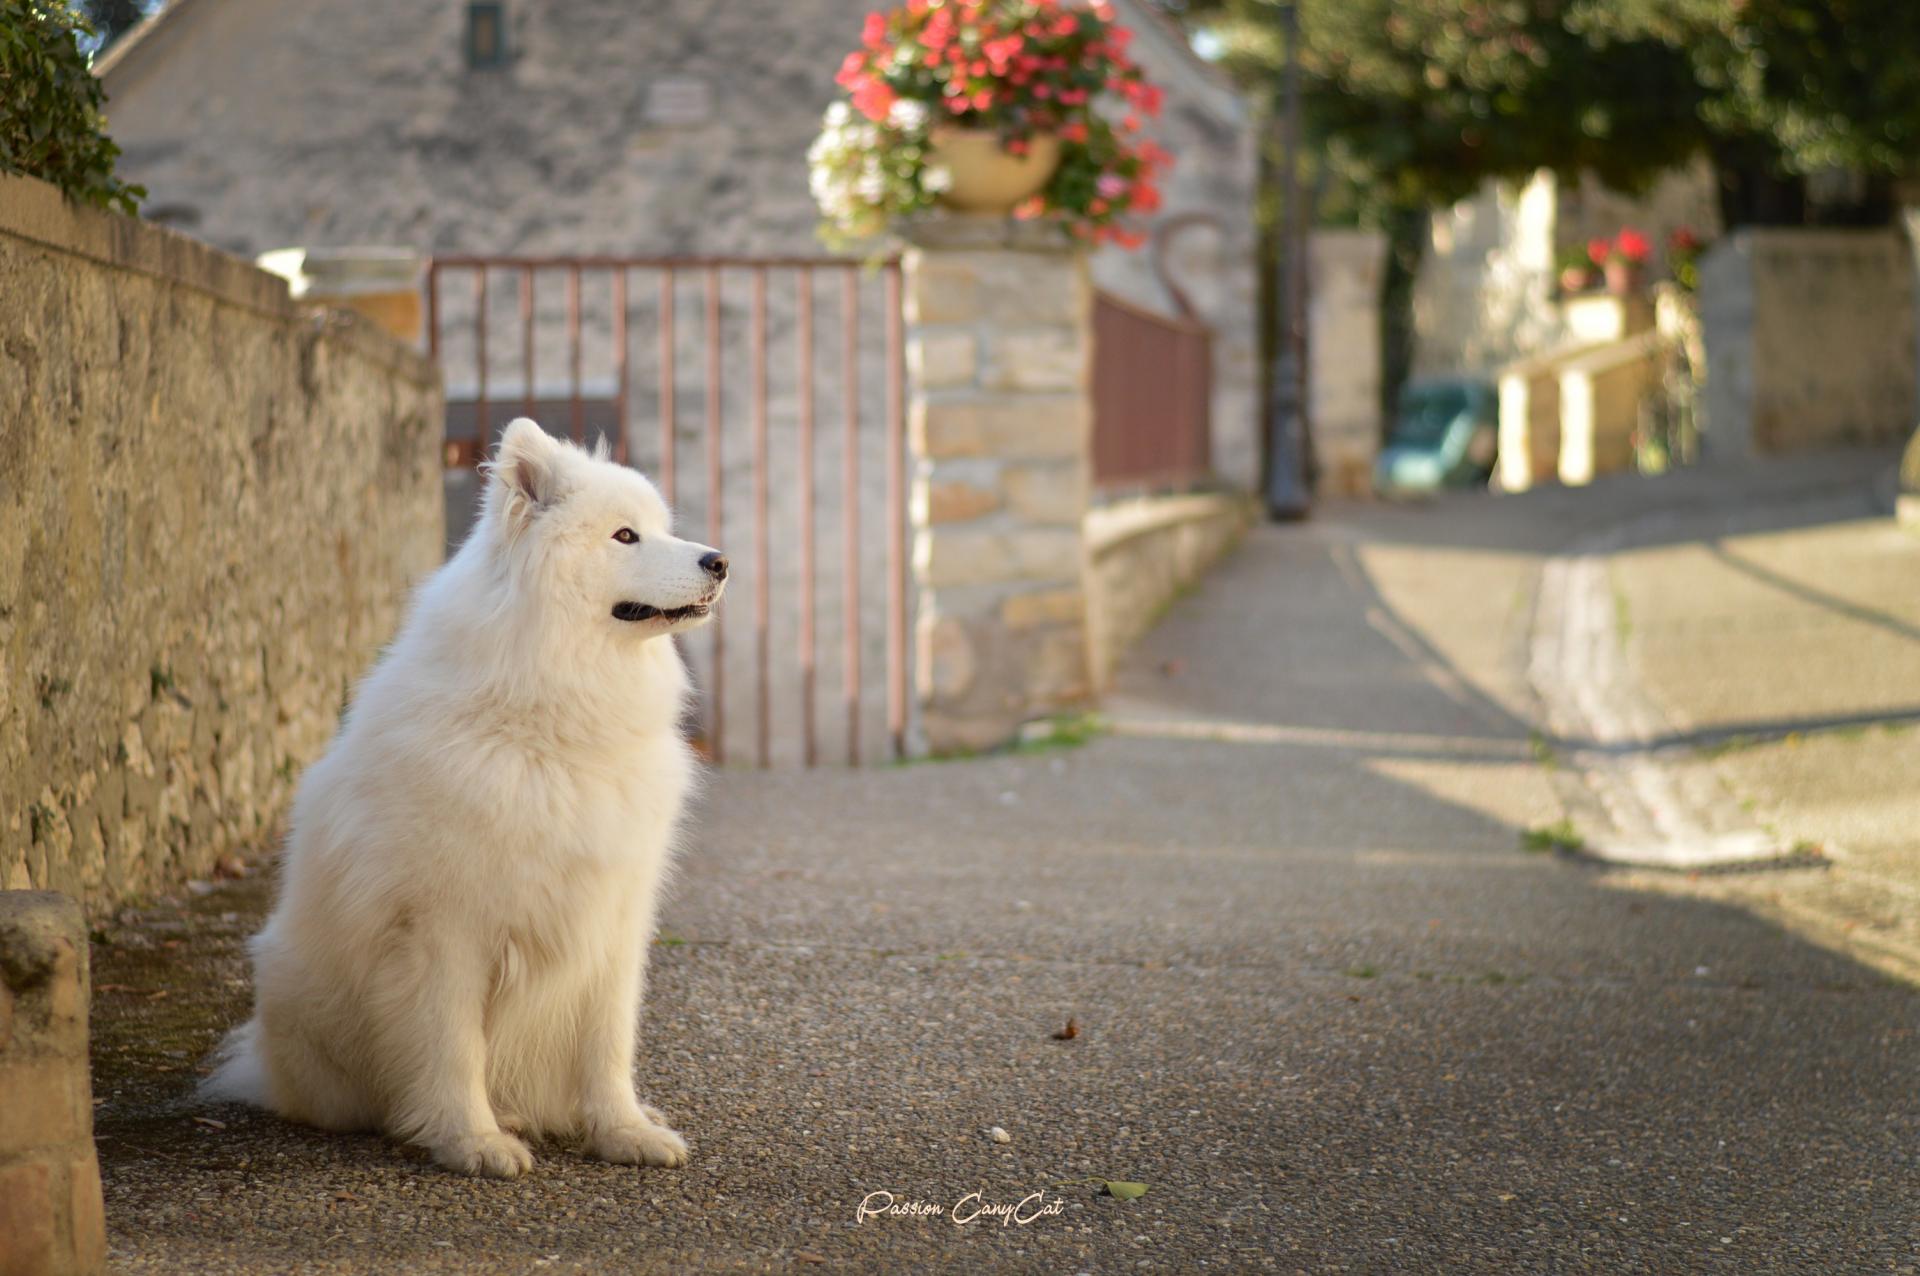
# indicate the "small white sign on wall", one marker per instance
pixel 677 101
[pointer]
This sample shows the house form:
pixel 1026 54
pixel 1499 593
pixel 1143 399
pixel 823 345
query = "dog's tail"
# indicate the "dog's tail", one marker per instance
pixel 239 1073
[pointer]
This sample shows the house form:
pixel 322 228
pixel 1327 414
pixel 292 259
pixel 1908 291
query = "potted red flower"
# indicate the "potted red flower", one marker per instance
pixel 990 106
pixel 1683 257
pixel 1622 259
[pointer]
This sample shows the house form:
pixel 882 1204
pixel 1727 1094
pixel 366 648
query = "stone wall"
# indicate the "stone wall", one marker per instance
pixel 1809 337
pixel 212 503
pixel 51 1222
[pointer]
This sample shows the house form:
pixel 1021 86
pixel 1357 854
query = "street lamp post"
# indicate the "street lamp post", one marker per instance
pixel 1287 495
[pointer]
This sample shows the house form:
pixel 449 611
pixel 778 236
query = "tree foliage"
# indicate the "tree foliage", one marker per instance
pixel 1417 102
pixel 1828 83
pixel 51 126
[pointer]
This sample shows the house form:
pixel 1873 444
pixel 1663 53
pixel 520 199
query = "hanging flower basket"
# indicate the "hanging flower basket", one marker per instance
pixel 1028 107
pixel 983 176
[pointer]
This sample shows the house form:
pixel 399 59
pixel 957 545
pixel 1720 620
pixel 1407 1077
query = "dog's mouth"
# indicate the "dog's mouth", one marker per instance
pixel 635 612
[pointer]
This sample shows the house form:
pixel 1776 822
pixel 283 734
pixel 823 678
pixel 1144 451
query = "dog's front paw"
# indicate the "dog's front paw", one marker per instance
pixel 639 1143
pixel 495 1156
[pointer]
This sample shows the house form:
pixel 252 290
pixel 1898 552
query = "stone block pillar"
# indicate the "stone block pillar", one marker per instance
pixel 51 1221
pixel 999 349
pixel 1344 271
pixel 381 283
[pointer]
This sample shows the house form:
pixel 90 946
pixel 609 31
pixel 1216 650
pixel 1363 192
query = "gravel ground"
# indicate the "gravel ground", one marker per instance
pixel 1328 1012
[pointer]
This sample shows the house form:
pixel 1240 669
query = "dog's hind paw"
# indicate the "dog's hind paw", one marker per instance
pixel 639 1143
pixel 496 1156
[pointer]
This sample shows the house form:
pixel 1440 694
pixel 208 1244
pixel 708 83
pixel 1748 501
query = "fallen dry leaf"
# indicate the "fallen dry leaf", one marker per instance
pixel 808 1256
pixel 210 1123
pixel 1069 1032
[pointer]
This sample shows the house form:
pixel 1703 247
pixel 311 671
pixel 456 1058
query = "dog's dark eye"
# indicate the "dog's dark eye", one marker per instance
pixel 627 536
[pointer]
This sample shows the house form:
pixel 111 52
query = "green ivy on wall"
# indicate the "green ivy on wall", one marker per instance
pixel 51 126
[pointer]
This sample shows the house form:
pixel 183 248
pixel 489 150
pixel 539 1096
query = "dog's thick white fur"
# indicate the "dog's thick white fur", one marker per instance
pixel 458 949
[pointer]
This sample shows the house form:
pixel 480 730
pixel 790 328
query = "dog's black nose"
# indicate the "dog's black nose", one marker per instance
pixel 715 565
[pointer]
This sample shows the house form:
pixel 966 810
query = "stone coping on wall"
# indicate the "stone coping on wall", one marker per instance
pixel 35 211
pixel 1110 525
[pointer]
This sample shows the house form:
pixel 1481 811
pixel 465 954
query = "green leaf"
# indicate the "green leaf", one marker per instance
pixel 1126 1191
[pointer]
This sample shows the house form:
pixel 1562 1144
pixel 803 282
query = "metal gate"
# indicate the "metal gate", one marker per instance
pixel 1152 388
pixel 728 412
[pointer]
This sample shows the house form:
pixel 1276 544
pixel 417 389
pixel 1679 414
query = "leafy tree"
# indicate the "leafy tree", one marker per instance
pixel 1417 102
pixel 1412 104
pixel 1789 88
pixel 50 121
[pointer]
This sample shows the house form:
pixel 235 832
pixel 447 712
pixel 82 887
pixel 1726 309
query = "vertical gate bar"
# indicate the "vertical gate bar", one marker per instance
pixel 667 405
pixel 433 311
pixel 577 426
pixel 620 364
pixel 762 569
pixel 716 737
pixel 526 339
pixel 850 504
pixel 896 524
pixel 803 290
pixel 482 435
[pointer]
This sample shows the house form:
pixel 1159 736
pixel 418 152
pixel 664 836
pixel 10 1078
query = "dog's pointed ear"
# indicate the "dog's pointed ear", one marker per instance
pixel 524 469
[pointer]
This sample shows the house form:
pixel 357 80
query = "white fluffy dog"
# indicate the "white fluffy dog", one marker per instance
pixel 459 945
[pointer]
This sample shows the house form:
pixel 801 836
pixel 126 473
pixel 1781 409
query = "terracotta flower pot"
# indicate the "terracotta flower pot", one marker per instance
pixel 984 177
pixel 1623 276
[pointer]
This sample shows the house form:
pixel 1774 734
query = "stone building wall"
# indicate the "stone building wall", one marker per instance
pixel 1483 294
pixel 212 504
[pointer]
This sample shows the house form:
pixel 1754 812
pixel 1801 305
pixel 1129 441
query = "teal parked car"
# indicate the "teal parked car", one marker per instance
pixel 1443 436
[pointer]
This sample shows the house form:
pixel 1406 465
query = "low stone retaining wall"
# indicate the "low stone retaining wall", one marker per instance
pixel 212 504
pixel 51 1222
pixel 1143 554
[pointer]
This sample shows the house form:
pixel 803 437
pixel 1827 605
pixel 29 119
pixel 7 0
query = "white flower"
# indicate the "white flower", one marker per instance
pixel 908 115
pixel 837 114
pixel 937 179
